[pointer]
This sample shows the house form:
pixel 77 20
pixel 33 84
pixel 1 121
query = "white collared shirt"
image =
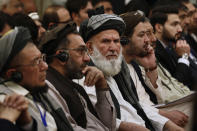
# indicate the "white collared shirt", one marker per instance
pixel 128 112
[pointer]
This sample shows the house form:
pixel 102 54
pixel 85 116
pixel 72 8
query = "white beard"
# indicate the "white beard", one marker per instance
pixel 108 67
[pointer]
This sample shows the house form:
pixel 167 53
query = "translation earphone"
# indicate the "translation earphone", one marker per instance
pixel 124 40
pixel 63 56
pixel 15 76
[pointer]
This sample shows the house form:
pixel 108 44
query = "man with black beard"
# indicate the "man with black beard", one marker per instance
pixel 102 36
pixel 153 83
pixel 68 58
pixel 172 51
pixel 191 36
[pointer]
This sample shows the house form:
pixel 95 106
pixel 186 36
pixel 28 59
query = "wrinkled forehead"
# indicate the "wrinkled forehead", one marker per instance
pixel 108 34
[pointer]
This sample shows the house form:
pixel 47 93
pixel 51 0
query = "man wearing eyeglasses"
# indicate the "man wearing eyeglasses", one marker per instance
pixel 192 26
pixel 23 68
pixel 67 58
pixel 17 60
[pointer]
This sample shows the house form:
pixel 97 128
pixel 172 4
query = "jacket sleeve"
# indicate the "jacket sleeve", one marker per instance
pixel 6 125
pixel 105 109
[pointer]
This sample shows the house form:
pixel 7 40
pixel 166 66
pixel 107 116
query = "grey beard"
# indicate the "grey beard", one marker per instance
pixel 108 67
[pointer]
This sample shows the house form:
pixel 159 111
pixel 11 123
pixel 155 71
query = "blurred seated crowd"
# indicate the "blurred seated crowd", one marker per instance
pixel 98 65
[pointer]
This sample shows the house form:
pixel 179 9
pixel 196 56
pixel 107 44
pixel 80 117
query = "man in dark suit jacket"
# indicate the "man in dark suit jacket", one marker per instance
pixel 192 26
pixel 192 42
pixel 6 125
pixel 172 51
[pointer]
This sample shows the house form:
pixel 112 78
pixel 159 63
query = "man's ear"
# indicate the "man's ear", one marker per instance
pixel 90 47
pixel 59 58
pixel 9 73
pixel 159 28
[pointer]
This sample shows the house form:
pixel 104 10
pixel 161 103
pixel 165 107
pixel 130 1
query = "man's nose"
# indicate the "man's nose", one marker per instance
pixel 86 57
pixel 113 46
pixel 146 38
pixel 179 28
pixel 44 65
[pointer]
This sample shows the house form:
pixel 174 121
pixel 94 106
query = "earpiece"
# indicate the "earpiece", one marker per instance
pixel 124 40
pixel 62 56
pixel 16 76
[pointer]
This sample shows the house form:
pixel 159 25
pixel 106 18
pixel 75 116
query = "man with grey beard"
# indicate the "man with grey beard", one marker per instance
pixel 102 36
pixel 110 67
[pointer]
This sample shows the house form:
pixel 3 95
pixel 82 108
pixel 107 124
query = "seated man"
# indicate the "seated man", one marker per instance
pixel 102 36
pixel 23 67
pixel 159 86
pixel 192 26
pixel 24 72
pixel 41 30
pixel 172 51
pixel 67 59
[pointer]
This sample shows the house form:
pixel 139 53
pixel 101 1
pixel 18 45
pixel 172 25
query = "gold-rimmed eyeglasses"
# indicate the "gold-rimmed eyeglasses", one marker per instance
pixel 36 62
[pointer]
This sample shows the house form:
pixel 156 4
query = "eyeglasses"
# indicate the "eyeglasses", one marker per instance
pixel 36 62
pixel 81 50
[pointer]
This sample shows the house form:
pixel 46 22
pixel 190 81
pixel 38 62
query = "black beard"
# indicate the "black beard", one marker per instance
pixel 37 90
pixel 78 75
pixel 167 38
pixel 144 52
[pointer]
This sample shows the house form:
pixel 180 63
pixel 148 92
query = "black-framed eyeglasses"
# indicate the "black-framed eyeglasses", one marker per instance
pixel 81 50
pixel 36 62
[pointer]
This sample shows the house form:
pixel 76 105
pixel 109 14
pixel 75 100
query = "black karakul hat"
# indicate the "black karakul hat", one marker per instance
pixel 52 38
